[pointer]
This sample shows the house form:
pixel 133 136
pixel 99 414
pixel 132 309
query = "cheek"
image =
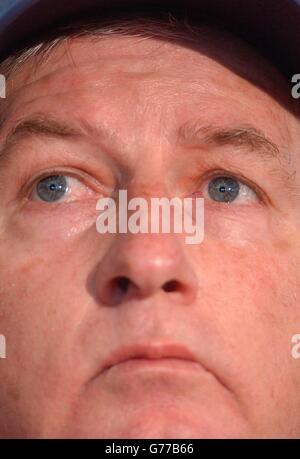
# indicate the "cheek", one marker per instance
pixel 243 280
pixel 247 308
pixel 250 255
pixel 255 277
pixel 38 318
pixel 246 267
pixel 44 226
pixel 44 263
pixel 42 255
pixel 29 286
pixel 238 226
pixel 43 298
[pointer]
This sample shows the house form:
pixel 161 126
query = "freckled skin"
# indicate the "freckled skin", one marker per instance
pixel 238 308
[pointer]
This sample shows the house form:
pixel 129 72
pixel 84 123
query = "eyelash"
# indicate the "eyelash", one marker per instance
pixel 88 180
pixel 211 175
pixel 83 177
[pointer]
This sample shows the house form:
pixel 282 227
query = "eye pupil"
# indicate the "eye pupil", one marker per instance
pixel 52 188
pixel 223 189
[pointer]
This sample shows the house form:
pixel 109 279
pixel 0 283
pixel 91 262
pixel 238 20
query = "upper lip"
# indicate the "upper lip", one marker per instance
pixel 149 351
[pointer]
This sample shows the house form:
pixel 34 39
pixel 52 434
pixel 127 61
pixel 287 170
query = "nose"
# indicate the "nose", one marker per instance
pixel 139 266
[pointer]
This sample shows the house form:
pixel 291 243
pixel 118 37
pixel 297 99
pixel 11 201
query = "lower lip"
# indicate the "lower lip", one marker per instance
pixel 165 364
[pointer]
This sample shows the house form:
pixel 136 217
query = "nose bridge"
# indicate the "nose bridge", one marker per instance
pixel 146 186
pixel 157 255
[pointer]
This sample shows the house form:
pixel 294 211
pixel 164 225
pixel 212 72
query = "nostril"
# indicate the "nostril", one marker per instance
pixel 171 286
pixel 122 284
pixel 114 291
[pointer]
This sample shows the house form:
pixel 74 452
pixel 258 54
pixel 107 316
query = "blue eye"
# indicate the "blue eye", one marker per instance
pixel 223 189
pixel 228 189
pixel 52 188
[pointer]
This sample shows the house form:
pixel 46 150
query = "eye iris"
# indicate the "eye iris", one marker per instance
pixel 52 188
pixel 223 189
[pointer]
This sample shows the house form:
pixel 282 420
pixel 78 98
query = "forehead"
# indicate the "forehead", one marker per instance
pixel 151 72
pixel 142 52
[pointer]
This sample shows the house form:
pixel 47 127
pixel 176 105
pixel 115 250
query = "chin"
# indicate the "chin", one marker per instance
pixel 166 422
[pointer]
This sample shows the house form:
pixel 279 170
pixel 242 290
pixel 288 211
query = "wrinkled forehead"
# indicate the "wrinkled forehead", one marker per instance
pixel 214 55
pixel 217 44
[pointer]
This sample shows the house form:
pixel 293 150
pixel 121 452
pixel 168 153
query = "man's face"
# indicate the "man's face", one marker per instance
pixel 73 299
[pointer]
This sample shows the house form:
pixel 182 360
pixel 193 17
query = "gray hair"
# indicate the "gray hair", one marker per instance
pixel 179 27
pixel 165 26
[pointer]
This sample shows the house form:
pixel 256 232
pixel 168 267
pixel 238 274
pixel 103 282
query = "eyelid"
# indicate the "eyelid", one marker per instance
pixel 261 195
pixel 88 180
pixel 69 194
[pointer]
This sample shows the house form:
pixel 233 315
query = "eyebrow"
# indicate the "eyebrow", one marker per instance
pixel 191 133
pixel 41 125
pixel 245 136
